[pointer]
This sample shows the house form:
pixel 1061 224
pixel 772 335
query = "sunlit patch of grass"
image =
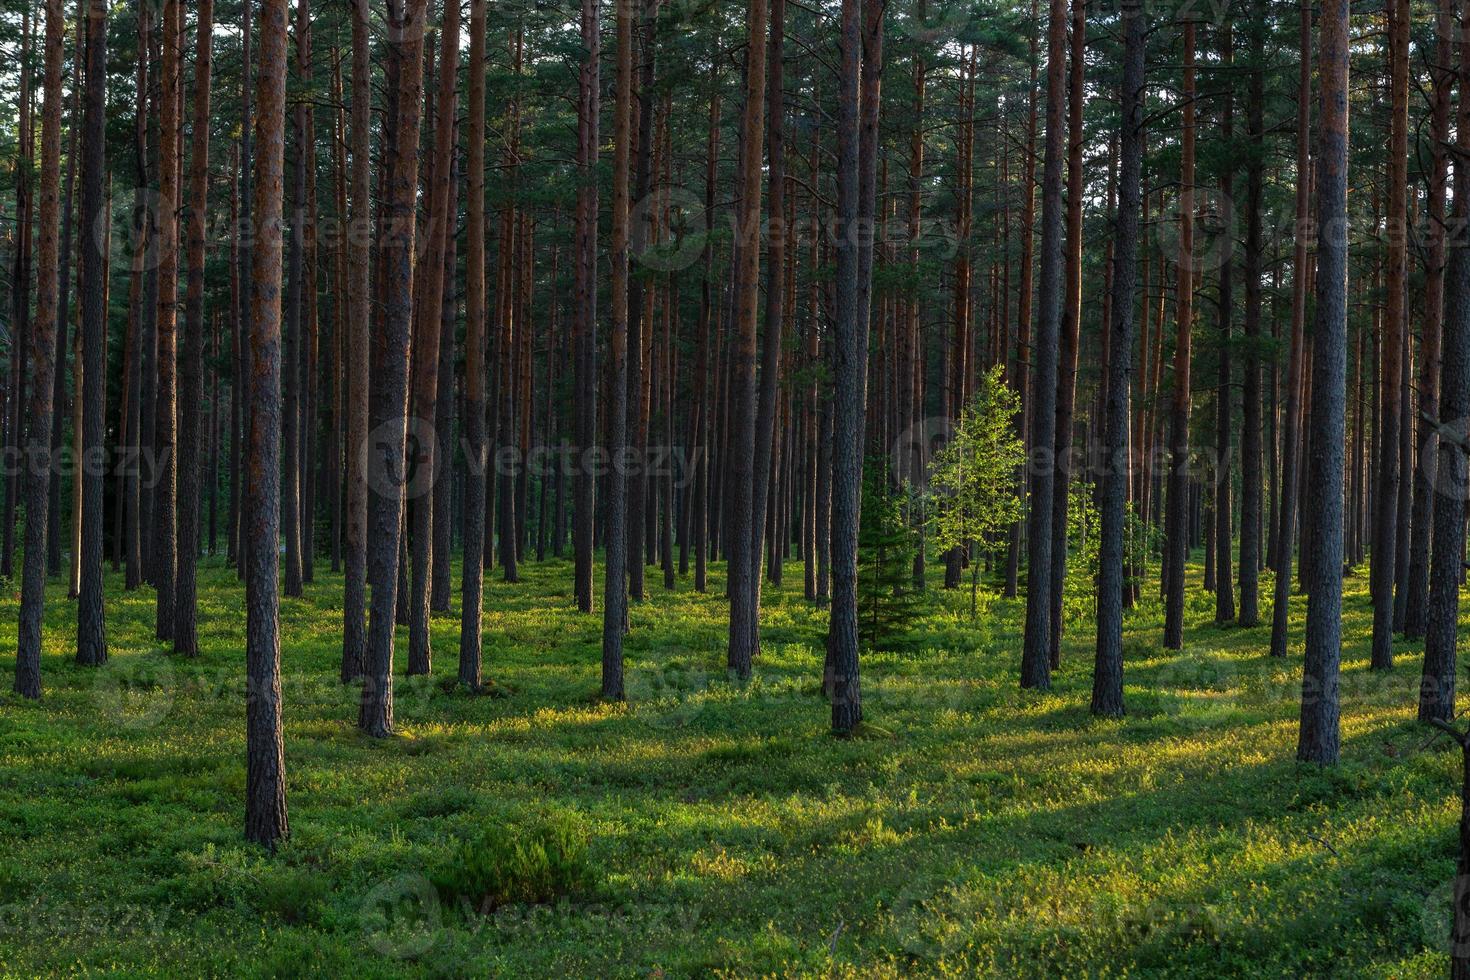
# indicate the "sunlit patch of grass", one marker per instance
pixel 975 828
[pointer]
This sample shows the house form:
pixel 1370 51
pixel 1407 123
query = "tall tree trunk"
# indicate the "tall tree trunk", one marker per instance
pixel 1286 533
pixel 247 261
pixel 191 362
pixel 1176 537
pixel 265 766
pixel 1385 500
pixel 1318 739
pixel 1250 436
pixel 357 345
pixel 1036 648
pixel 615 586
pixel 584 324
pixel 427 330
pixel 165 426
pixel 298 299
pixel 744 561
pixel 1107 674
pixel 1442 74
pixel 1441 632
pixel 390 374
pixel 63 305
pixel 763 488
pixel 472 572
pixel 1224 419
pixel 42 340
pixel 857 161
pixel 1071 325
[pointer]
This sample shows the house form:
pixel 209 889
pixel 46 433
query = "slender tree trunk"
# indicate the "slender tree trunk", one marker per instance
pixel 1385 527
pixel 1224 417
pixel 357 344
pixel 1318 739
pixel 1250 436
pixel 191 362
pixel 584 324
pixel 744 560
pixel 1036 649
pixel 1107 675
pixel 1071 325
pixel 1286 534
pixel 265 775
pixel 165 426
pixel 1443 77
pixel 42 340
pixel 427 331
pixel 1441 632
pixel 1176 536
pixel 390 374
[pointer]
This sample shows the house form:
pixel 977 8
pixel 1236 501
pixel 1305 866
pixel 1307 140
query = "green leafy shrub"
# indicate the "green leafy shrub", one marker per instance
pixel 531 861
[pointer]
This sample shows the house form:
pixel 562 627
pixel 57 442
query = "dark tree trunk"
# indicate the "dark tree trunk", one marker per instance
pixel 265 764
pixel 42 340
pixel 427 331
pixel 744 560
pixel 1036 648
pixel 191 362
pixel 1250 436
pixel 390 369
pixel 1286 532
pixel 165 426
pixel 615 586
pixel 1385 500
pixel 357 345
pixel 1443 77
pixel 1176 536
pixel 1318 741
pixel 584 324
pixel 1071 326
pixel 1437 686
pixel 857 160
pixel 1224 418
pixel 1107 675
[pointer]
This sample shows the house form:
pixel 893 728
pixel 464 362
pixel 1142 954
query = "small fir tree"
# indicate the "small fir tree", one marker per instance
pixel 974 481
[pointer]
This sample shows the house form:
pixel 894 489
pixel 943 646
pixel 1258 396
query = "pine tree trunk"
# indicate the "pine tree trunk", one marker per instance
pixel 387 468
pixel 1318 740
pixel 744 560
pixel 357 343
pixel 1107 675
pixel 1176 537
pixel 584 328
pixel 1286 533
pixel 428 328
pixel 191 362
pixel 1036 648
pixel 1385 527
pixel 265 767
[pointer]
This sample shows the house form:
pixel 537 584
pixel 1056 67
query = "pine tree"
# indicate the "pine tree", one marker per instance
pixel 887 600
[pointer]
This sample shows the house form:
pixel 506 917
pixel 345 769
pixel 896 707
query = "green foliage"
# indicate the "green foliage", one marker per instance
pixel 531 861
pixel 1079 591
pixel 974 481
pixel 887 601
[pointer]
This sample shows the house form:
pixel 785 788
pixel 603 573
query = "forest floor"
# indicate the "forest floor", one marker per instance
pixel 973 827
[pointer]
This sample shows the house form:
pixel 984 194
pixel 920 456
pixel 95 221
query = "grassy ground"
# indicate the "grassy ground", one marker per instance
pixel 975 827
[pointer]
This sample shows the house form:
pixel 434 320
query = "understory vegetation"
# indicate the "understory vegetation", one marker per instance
pixel 708 827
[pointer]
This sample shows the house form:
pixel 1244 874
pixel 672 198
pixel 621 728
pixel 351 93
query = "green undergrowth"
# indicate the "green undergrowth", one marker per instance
pixel 709 827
